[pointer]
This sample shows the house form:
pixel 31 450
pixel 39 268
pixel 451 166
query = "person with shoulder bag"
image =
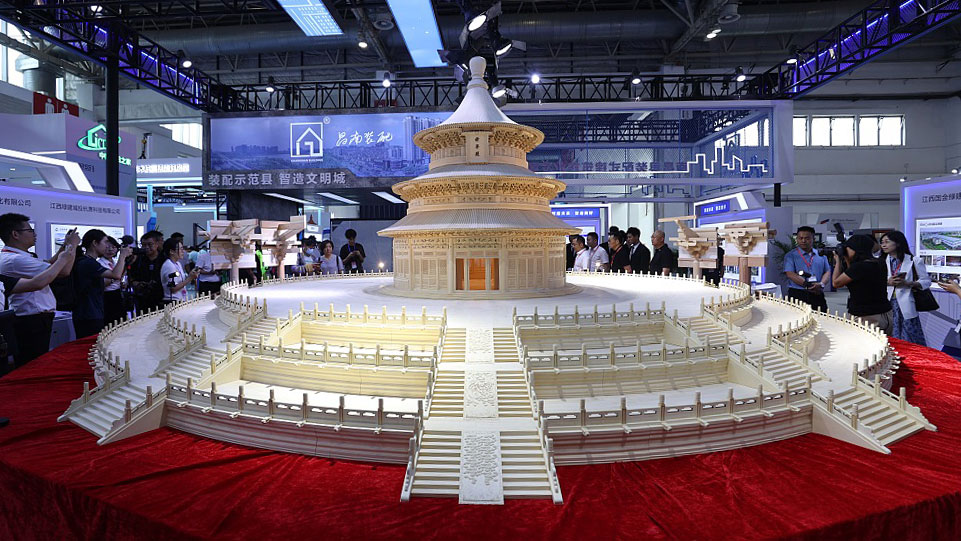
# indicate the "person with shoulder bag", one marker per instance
pixel 908 287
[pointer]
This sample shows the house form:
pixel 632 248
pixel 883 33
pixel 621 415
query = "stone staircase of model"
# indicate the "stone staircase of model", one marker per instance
pixel 119 408
pixel 518 452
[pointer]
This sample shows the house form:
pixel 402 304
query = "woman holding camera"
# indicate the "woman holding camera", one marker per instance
pixel 905 274
pixel 865 278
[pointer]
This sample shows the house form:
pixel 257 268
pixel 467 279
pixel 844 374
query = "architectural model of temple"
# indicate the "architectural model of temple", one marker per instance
pixel 482 397
pixel 479 223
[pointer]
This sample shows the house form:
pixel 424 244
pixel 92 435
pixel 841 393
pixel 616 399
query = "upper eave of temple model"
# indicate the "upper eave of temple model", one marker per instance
pixel 478 112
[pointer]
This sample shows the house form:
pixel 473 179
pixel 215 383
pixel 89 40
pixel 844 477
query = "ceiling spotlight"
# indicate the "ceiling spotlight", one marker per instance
pixel 792 61
pixel 96 10
pixel 476 22
pixel 184 61
pixel 954 171
pixel 386 82
pixel 710 36
pixel 270 85
pixel 362 44
pixel 635 78
pixel 502 90
pixel 535 78
pixel 503 46
pixel 903 179
pixel 740 75
pixel 729 13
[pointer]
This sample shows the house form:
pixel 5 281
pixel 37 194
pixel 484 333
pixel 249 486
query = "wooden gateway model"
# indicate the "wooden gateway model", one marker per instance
pixel 232 243
pixel 479 223
pixel 746 247
pixel 230 240
pixel 697 246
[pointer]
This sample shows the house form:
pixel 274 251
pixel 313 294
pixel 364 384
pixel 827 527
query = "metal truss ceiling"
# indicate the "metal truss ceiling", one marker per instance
pixel 870 33
pixel 72 26
pixel 445 92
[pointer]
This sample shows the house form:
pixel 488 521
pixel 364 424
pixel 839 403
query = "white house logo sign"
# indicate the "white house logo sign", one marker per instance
pixel 307 140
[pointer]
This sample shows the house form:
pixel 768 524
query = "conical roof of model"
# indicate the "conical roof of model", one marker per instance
pixel 477 105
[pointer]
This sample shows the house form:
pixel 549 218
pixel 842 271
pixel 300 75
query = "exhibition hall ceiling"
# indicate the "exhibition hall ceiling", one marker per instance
pixel 258 41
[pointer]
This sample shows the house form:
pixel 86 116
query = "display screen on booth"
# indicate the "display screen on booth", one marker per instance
pixel 59 231
pixel 693 143
pixel 323 151
pixel 939 246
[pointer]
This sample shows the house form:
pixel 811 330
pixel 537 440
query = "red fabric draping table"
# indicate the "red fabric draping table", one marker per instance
pixel 57 483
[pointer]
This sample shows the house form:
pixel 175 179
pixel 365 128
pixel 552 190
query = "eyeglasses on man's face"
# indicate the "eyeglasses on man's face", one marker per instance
pixel 30 229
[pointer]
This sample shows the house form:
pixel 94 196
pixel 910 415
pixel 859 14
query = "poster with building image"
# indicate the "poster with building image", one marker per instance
pixel 939 246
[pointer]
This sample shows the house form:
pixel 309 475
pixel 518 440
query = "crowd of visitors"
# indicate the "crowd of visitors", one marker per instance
pixel 100 279
pixel 623 251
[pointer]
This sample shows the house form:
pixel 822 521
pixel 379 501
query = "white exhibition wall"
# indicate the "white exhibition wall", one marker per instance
pixel 839 179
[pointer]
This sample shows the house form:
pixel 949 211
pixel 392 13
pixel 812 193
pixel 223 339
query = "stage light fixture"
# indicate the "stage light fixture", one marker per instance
pixel 476 22
pixel 954 171
pixel 185 62
pixel 903 179
pixel 740 75
pixel 504 90
pixel 535 78
pixel 635 78
pixel 503 47
pixel 362 44
pixel 386 81
pixel 270 85
pixel 792 61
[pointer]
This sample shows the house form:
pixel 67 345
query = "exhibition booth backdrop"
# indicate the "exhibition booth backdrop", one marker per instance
pixel 54 212
pixel 931 220
pixel 74 139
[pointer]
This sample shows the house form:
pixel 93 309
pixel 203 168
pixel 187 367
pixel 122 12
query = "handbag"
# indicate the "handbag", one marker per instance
pixel 923 298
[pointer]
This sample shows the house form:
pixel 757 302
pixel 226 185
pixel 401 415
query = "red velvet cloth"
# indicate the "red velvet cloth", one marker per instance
pixel 55 482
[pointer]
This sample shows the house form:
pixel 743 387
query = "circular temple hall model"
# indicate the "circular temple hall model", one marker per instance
pixel 479 223
pixel 479 363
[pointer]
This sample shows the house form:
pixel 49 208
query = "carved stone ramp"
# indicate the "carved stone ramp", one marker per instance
pixel 480 440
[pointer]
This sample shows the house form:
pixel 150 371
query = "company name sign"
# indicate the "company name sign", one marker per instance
pixel 351 150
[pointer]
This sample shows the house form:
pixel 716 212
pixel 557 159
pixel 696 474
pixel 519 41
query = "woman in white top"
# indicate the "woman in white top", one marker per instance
pixel 330 262
pixel 172 275
pixel 905 273
pixel 112 297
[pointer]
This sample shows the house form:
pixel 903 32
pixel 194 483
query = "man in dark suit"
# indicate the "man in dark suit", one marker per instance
pixel 611 231
pixel 571 254
pixel 639 253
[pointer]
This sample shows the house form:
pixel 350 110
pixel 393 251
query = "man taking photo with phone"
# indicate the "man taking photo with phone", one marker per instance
pixel 34 310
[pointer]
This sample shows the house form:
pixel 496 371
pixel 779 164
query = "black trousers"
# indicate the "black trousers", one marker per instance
pixel 87 327
pixel 816 300
pixel 212 287
pixel 33 336
pixel 113 306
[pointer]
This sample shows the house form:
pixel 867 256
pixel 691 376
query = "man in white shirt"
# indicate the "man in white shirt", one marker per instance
pixel 209 277
pixel 599 260
pixel 582 258
pixel 34 310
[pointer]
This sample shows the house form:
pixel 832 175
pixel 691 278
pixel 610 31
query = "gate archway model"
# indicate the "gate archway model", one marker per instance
pixel 480 391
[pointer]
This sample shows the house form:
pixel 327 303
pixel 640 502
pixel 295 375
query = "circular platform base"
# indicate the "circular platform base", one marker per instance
pixel 568 289
pixel 603 290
